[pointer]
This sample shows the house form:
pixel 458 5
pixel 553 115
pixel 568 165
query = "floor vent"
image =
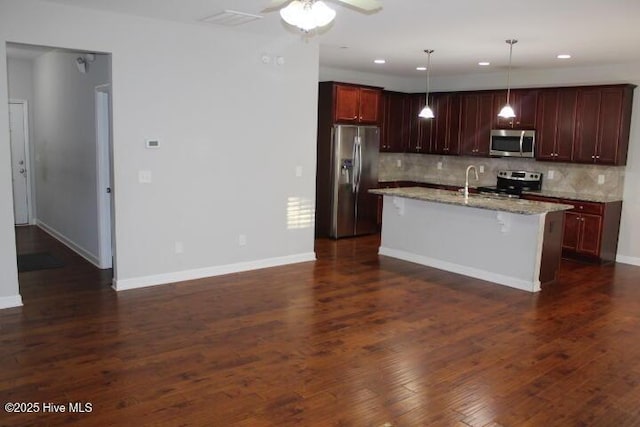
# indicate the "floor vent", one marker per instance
pixel 231 18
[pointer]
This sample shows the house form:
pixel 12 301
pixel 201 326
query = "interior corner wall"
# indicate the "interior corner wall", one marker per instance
pixel 233 134
pixel 9 292
pixel 64 148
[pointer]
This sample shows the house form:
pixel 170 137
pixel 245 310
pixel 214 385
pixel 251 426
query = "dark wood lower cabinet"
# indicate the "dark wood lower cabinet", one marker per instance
pixel 590 229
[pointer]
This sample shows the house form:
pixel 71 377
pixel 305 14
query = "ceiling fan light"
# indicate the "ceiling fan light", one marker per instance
pixel 307 15
pixel 293 12
pixel 507 112
pixel 323 14
pixel 426 113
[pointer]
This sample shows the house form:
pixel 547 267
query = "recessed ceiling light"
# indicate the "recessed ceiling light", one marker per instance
pixel 380 61
pixel 484 63
pixel 564 56
pixel 421 68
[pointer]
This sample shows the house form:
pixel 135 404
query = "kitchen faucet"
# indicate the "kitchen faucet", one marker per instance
pixel 466 180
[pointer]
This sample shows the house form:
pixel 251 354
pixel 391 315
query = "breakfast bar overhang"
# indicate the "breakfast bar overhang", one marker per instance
pixel 516 243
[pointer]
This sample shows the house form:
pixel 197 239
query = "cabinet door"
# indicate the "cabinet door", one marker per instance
pixel 588 114
pixel 420 129
pixel 526 104
pixel 469 123
pixel 445 131
pixel 346 103
pixel 369 106
pixel 610 122
pixel 547 126
pixel 590 233
pixel 566 124
pixel 394 123
pixel 486 121
pixel 572 226
pixel 555 124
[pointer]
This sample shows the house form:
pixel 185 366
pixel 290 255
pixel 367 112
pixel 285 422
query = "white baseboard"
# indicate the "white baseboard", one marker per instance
pixel 93 259
pixel 9 302
pixel 512 282
pixel 628 260
pixel 180 276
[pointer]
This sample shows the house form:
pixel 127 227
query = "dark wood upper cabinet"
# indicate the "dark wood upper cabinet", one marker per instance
pixel 420 129
pixel 445 131
pixel 603 119
pixel 556 123
pixel 356 104
pixel 395 126
pixel 477 120
pixel 524 103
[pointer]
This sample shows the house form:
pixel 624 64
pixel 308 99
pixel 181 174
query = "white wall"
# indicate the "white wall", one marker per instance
pixel 232 131
pixel 64 147
pixel 629 242
pixel 20 81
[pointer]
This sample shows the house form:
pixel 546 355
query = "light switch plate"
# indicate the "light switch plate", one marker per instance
pixel 600 179
pixel 399 163
pixel 551 174
pixel 439 165
pixel 298 171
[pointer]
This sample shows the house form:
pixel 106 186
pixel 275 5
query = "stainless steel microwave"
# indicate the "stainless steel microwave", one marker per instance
pixel 512 143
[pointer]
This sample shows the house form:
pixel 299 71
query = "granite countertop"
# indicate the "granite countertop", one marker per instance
pixel 518 206
pixel 570 195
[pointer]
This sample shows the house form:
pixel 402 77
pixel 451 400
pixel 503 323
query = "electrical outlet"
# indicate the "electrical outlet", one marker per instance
pixel 179 247
pixel 399 163
pixel 551 174
pixel 242 240
pixel 439 165
pixel 600 179
pixel 144 177
pixel 481 168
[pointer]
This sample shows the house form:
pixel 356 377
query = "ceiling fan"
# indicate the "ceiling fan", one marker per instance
pixel 308 15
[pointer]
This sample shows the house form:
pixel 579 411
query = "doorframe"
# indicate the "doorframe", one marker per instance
pixel 104 178
pixel 31 220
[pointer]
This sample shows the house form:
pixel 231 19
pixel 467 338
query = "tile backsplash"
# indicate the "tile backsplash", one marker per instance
pixel 565 177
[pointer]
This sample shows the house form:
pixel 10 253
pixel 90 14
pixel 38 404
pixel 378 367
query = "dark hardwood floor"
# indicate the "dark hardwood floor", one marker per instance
pixel 350 340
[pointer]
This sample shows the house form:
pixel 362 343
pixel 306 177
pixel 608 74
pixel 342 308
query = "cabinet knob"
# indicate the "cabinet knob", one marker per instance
pixel 581 207
pixel 593 157
pixel 597 157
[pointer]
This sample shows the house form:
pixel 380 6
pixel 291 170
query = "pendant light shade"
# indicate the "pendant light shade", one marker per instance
pixel 507 111
pixel 427 112
pixel 307 14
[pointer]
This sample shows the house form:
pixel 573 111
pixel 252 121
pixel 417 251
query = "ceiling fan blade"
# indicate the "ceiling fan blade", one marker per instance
pixel 275 5
pixel 366 5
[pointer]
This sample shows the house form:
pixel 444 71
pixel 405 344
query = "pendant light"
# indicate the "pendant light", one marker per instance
pixel 507 112
pixel 307 14
pixel 426 112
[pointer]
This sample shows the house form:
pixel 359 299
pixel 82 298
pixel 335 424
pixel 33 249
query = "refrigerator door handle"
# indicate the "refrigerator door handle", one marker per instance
pixel 354 154
pixel 357 163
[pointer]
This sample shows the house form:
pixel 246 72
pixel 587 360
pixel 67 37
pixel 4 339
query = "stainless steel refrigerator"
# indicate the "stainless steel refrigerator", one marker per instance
pixel 354 171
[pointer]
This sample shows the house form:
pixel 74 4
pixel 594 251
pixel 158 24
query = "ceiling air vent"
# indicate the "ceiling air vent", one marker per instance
pixel 231 18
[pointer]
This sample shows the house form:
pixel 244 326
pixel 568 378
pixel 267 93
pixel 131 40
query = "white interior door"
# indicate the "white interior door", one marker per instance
pixel 103 151
pixel 18 138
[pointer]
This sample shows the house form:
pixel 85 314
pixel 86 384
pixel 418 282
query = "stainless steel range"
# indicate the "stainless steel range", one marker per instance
pixel 513 183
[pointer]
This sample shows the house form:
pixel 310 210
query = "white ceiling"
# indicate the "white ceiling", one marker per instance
pixel 461 32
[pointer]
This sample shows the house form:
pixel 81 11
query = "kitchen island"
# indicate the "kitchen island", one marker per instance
pixel 512 242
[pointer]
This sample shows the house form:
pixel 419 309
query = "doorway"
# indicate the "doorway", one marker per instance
pixel 20 165
pixel 103 175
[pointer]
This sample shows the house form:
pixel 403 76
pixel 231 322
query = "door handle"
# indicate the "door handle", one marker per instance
pixel 22 170
pixel 21 162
